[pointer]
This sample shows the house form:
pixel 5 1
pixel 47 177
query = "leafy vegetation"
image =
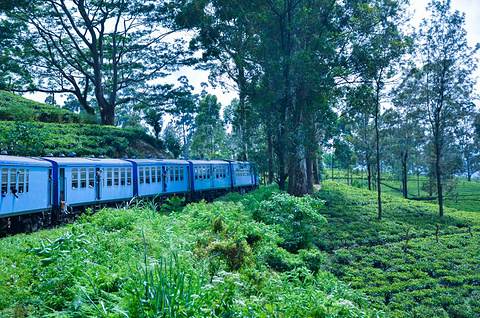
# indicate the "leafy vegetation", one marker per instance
pixel 411 263
pixel 34 129
pixel 16 108
pixel 209 260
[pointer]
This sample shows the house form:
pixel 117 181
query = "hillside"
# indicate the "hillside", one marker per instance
pixel 412 263
pixel 34 129
pixel 264 254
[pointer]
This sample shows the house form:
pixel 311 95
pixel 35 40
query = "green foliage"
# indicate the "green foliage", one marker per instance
pixel 17 108
pixel 37 139
pixel 209 260
pixel 297 219
pixel 403 274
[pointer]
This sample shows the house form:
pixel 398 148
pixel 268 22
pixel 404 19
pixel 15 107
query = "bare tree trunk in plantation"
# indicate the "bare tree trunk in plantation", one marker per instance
pixel 377 140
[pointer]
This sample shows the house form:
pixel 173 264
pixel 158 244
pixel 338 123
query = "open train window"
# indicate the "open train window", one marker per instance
pixel 27 181
pixel 147 174
pixel 176 173
pixel 109 177
pixel 83 178
pixel 4 180
pixel 91 177
pixel 122 177
pixel 129 176
pixel 181 173
pixel 13 180
pixel 116 177
pixel 154 177
pixel 21 180
pixel 196 172
pixel 159 174
pixel 172 177
pixel 74 178
pixel 141 179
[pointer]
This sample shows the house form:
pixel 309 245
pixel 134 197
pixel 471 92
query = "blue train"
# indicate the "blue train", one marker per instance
pixel 38 192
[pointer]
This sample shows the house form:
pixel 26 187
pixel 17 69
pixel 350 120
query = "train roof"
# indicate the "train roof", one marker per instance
pixel 72 162
pixel 152 161
pixel 209 162
pixel 6 160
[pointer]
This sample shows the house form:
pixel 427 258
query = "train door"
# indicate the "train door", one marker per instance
pixel 50 187
pixel 164 179
pixel 62 189
pixel 98 183
pixel 211 175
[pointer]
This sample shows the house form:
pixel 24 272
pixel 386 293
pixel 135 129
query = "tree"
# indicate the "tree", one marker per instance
pixel 107 50
pixel 375 54
pixel 209 134
pixel 444 79
pixel 226 36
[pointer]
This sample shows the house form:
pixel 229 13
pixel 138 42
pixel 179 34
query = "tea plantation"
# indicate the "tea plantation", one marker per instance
pixel 264 254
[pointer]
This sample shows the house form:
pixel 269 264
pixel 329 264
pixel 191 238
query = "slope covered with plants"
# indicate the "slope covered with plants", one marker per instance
pixel 34 129
pixel 207 260
pixel 412 263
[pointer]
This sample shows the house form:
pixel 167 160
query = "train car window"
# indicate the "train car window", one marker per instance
pixel 176 174
pixel 109 177
pixel 147 174
pixel 181 173
pixel 27 182
pixel 116 177
pixel 122 177
pixel 4 180
pixel 159 174
pixel 129 176
pixel 171 173
pixel 195 172
pixel 154 176
pixel 91 177
pixel 208 172
pixel 83 178
pixel 21 180
pixel 74 178
pixel 141 177
pixel 13 180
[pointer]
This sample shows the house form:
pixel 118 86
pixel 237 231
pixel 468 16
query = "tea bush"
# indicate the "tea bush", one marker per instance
pixel 431 272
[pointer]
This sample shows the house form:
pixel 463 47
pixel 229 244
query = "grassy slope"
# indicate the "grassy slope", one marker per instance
pixel 418 277
pixel 35 129
pixel 210 259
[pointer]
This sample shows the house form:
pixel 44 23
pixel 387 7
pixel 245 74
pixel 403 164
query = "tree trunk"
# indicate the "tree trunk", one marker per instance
pixel 377 140
pixel 271 173
pixel 439 180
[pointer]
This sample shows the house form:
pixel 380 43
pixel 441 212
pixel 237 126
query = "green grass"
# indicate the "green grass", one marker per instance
pixel 465 196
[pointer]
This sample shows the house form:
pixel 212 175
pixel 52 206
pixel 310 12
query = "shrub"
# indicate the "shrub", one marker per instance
pixel 297 219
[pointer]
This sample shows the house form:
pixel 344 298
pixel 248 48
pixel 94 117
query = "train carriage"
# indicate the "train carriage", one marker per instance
pixel 244 175
pixel 26 184
pixel 160 177
pixel 81 182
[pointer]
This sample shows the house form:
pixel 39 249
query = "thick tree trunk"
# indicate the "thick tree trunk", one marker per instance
pixel 316 174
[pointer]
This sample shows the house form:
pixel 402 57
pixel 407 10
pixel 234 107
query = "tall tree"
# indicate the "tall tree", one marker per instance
pixel 444 79
pixel 100 50
pixel 210 133
pixel 375 53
